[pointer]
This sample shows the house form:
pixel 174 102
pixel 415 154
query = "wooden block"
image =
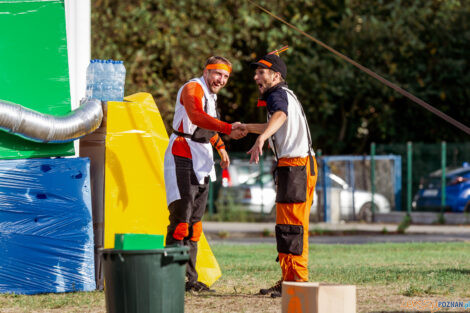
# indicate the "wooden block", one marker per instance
pixel 306 297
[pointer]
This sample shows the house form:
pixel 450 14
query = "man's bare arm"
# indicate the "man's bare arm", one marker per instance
pixel 275 122
pixel 256 128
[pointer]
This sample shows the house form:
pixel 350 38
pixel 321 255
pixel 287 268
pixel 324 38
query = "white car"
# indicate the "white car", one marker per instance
pixel 257 194
pixel 240 171
pixel 341 201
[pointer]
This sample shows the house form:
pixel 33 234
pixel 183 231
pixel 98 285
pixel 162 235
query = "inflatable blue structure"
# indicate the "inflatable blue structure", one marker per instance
pixel 46 229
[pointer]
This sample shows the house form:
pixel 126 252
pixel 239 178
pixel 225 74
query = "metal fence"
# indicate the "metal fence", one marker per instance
pixel 357 187
pixel 422 161
pixel 247 192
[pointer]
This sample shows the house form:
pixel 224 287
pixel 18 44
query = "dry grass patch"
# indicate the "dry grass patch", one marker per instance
pixel 386 275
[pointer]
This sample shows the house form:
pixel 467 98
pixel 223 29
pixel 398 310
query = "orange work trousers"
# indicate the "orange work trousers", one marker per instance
pixel 295 267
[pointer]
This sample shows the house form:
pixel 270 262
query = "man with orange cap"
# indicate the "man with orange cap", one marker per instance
pixel 189 164
pixel 295 174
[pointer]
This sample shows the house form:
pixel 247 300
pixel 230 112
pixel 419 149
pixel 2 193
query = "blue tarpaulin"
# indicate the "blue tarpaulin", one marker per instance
pixel 46 229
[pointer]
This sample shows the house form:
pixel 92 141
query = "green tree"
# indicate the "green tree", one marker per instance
pixel 420 45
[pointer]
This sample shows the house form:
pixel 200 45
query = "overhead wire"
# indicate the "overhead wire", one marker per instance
pixel 388 83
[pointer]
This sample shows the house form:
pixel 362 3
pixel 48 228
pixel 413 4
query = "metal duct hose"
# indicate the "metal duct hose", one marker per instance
pixel 41 127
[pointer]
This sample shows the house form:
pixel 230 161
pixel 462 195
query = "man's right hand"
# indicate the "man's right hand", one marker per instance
pixel 239 130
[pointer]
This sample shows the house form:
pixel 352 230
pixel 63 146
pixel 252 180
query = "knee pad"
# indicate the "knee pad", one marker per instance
pixel 181 231
pixel 290 239
pixel 197 231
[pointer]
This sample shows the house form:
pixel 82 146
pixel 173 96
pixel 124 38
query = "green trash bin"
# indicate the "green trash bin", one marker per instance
pixel 145 281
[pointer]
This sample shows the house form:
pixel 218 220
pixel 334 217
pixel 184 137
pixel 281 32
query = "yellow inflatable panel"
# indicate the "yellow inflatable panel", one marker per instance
pixel 135 200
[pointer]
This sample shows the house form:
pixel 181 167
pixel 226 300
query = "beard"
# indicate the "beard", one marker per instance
pixel 214 88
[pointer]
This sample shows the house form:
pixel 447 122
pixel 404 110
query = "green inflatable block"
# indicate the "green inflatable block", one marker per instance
pixel 138 242
pixel 34 63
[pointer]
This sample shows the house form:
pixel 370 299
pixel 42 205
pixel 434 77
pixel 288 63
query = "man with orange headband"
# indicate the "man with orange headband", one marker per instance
pixel 289 136
pixel 189 161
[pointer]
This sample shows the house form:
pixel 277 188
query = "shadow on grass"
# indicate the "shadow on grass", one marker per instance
pixel 455 270
pixel 230 295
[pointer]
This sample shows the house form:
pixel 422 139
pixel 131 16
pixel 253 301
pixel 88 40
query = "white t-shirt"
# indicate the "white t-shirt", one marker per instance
pixel 291 139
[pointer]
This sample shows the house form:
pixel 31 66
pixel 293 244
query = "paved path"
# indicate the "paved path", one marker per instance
pixel 253 228
pixel 252 233
pixel 356 239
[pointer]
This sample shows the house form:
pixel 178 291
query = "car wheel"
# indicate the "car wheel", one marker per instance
pixel 365 213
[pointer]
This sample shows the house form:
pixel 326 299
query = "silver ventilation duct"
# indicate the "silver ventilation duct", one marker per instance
pixel 41 127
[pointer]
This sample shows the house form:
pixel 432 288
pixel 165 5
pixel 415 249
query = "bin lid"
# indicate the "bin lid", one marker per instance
pixel 131 241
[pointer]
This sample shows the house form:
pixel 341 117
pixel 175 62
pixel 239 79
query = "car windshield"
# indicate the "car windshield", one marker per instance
pixel 434 179
pixel 433 182
pixel 336 181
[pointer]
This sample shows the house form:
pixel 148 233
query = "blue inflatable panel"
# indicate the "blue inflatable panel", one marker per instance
pixel 46 229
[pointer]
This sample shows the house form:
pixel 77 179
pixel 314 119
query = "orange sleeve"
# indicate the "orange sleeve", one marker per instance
pixel 191 99
pixel 217 142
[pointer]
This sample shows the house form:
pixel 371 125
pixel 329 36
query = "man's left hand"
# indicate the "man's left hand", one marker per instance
pixel 224 158
pixel 257 149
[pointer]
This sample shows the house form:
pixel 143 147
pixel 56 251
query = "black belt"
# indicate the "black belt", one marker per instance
pixel 177 133
pixel 200 135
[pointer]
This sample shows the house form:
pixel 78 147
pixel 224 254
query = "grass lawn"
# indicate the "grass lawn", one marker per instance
pixel 386 276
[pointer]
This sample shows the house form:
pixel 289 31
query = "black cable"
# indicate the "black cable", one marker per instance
pixel 395 87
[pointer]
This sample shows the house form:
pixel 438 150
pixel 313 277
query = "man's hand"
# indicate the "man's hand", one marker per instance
pixel 257 149
pixel 224 158
pixel 239 131
pixel 274 123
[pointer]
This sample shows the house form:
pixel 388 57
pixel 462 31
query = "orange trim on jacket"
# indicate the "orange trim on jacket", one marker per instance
pixel 180 146
pixel 217 142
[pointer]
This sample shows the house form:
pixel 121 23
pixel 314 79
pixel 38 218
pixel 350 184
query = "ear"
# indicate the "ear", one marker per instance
pixel 277 77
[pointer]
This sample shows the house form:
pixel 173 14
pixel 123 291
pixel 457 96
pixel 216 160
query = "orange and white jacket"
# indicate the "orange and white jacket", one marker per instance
pixel 195 107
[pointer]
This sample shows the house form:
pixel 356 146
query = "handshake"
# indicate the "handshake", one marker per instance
pixel 239 130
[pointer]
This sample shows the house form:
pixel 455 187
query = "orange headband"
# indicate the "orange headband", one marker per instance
pixel 219 66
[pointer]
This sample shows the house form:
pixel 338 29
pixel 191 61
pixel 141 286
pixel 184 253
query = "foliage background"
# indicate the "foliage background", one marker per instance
pixel 422 45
